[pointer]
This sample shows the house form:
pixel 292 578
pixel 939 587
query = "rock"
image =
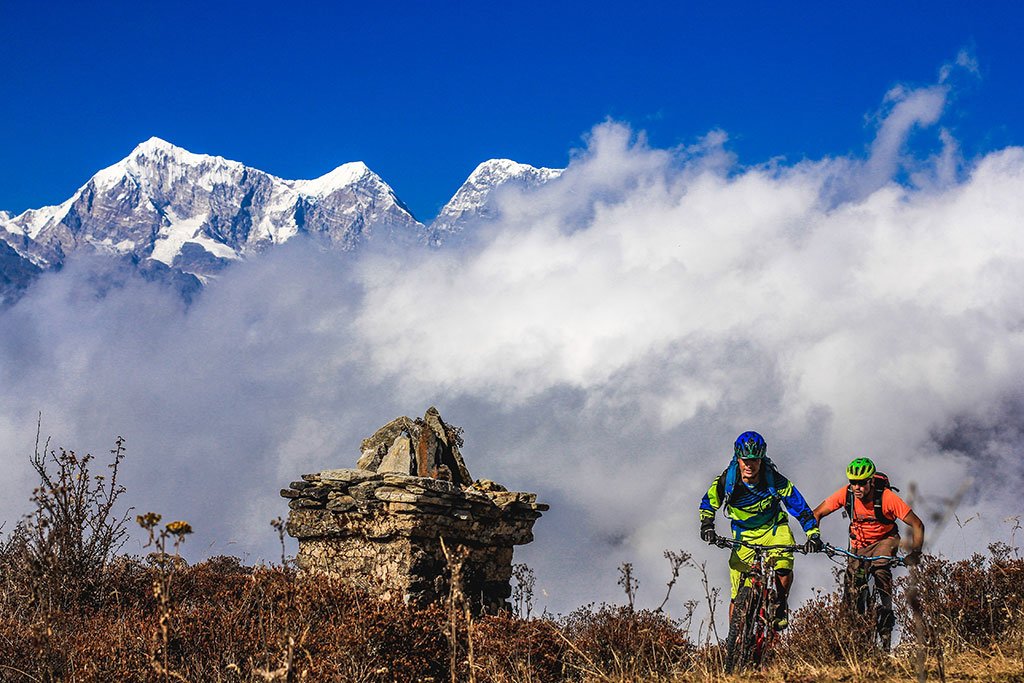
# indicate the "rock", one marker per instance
pixel 399 457
pixel 318 492
pixel 432 419
pixel 364 491
pixel 305 504
pixel 420 482
pixel 450 439
pixel 486 485
pixel 341 503
pixel 349 476
pixel 341 497
pixel 374 448
pixel 428 453
pixel 393 495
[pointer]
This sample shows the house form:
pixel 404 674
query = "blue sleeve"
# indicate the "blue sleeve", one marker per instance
pixel 709 503
pixel 798 507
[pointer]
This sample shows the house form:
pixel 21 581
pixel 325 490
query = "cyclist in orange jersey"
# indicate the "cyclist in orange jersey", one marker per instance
pixel 873 508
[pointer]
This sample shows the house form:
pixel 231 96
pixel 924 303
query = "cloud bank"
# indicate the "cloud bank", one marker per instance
pixel 602 343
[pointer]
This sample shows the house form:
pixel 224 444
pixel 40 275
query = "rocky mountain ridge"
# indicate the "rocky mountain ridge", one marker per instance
pixel 475 200
pixel 166 210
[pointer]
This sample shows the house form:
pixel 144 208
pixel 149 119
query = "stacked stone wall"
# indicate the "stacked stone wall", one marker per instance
pixel 385 527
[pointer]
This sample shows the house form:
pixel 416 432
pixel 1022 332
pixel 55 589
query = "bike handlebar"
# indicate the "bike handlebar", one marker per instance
pixel 828 549
pixel 831 550
pixel 724 542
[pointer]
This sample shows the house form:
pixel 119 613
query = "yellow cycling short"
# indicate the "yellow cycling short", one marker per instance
pixel 740 559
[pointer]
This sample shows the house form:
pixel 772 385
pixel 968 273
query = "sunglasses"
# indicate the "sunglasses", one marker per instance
pixel 859 482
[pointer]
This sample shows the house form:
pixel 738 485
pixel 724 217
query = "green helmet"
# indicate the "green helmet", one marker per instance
pixel 861 468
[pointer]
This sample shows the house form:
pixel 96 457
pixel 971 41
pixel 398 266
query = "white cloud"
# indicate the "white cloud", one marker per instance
pixel 965 60
pixel 603 344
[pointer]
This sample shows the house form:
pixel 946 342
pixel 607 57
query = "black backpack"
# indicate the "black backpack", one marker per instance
pixel 881 484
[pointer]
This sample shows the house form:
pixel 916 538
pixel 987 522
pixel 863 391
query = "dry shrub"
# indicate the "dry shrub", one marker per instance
pixel 618 643
pixel 269 620
pixel 230 622
pixel 975 604
pixel 56 556
pixel 824 633
pixel 509 649
pixel 71 609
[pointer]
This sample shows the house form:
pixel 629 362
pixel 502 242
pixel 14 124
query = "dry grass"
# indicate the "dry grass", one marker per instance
pixel 229 622
pixel 156 619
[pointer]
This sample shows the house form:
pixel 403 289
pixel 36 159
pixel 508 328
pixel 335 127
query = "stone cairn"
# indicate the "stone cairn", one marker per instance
pixel 409 517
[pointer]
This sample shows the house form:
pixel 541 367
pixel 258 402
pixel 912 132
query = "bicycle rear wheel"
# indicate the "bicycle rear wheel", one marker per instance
pixel 740 652
pixel 882 618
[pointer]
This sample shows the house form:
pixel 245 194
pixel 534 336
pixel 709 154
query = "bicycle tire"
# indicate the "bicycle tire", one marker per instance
pixel 868 604
pixel 882 620
pixel 766 635
pixel 740 642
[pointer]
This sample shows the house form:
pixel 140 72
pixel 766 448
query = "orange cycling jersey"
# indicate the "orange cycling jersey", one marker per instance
pixel 864 528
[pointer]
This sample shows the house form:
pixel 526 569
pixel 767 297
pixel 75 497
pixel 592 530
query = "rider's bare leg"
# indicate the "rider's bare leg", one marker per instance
pixel 785 582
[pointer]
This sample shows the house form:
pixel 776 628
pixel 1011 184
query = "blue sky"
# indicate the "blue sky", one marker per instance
pixel 422 92
pixel 621 324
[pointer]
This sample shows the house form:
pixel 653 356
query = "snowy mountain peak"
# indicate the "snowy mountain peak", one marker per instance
pixel 475 199
pixel 193 214
pixel 157 161
pixel 497 168
pixel 343 176
pixel 501 170
pixel 157 149
pixel 154 144
pixel 189 216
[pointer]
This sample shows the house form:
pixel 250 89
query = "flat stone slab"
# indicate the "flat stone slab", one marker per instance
pixel 348 476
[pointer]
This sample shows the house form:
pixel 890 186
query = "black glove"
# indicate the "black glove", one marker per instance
pixel 913 558
pixel 814 544
pixel 707 532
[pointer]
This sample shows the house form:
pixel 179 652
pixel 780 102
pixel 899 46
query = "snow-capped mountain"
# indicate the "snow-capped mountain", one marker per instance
pixel 476 199
pixel 197 213
pixel 16 273
pixel 173 214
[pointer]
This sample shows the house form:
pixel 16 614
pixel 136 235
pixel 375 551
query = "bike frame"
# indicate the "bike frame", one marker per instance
pixel 868 593
pixel 752 624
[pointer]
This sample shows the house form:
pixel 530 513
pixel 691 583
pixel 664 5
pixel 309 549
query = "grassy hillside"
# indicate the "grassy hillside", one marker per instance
pixel 72 608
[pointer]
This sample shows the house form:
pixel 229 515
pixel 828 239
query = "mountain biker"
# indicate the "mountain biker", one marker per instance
pixel 873 511
pixel 751 489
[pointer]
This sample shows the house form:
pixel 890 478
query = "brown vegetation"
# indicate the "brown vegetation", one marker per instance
pixel 107 617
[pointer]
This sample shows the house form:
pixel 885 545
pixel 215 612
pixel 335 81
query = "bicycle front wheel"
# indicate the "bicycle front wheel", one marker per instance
pixel 740 645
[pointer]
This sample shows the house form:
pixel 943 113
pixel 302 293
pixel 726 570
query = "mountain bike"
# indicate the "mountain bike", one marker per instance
pixel 862 593
pixel 752 631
